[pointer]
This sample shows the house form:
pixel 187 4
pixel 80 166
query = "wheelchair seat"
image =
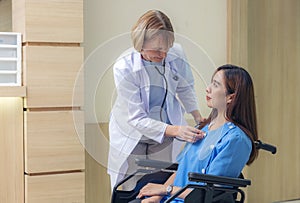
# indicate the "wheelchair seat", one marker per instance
pixel 155 172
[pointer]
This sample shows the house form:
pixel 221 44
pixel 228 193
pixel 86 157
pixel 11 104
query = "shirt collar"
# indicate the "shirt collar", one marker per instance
pixel 226 127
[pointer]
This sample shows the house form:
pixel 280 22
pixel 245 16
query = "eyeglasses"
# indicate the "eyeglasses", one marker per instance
pixel 156 51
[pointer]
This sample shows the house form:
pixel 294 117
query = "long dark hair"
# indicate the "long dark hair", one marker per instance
pixel 241 111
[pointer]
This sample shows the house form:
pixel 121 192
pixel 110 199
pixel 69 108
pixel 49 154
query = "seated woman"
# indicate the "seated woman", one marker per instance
pixel 230 134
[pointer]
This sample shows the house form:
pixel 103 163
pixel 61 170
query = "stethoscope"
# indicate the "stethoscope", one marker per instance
pixel 162 73
pixel 175 77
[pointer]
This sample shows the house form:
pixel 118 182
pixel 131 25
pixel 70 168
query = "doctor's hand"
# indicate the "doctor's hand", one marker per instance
pixel 185 133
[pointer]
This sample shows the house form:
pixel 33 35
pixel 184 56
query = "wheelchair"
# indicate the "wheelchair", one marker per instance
pixel 216 189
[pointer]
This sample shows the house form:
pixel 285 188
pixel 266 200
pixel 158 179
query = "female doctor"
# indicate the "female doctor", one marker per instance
pixel 155 87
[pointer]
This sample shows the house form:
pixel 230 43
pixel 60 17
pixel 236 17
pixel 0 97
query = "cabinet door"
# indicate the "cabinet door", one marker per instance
pixel 11 150
pixel 51 74
pixel 53 141
pixel 52 188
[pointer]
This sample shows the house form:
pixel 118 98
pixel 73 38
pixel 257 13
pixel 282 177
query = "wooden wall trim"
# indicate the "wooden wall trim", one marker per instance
pixel 237 33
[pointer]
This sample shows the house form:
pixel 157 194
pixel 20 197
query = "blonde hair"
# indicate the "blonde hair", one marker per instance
pixel 148 26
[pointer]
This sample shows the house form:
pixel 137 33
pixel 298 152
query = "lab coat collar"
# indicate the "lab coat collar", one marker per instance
pixel 137 61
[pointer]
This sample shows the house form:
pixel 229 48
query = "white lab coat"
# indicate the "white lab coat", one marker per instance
pixel 129 119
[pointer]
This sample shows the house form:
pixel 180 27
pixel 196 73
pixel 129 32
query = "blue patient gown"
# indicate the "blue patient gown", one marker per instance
pixel 223 152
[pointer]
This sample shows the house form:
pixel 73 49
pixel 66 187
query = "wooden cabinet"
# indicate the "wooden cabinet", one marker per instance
pixel 53 143
pixel 11 149
pixel 48 21
pixel 42 152
pixel 54 161
pixel 51 74
pixel 67 187
pixel 54 156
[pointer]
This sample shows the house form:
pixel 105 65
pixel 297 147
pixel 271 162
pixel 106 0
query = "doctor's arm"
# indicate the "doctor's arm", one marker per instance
pixel 197 116
pixel 186 92
pixel 130 91
pixel 132 104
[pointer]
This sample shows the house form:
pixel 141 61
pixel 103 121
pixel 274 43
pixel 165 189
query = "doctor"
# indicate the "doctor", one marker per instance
pixel 155 86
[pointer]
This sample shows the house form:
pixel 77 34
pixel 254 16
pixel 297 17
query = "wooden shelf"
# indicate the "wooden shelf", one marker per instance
pixel 12 91
pixel 10 59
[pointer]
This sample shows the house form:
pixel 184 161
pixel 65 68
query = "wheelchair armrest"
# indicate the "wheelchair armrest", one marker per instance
pixel 156 164
pixel 220 180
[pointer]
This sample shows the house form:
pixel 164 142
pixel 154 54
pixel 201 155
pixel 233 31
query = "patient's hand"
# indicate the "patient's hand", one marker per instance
pixel 152 189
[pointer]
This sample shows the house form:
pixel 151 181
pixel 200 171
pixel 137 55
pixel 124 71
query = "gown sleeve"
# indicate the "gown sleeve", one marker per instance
pixel 230 156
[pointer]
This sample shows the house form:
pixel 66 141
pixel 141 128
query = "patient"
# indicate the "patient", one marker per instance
pixel 230 134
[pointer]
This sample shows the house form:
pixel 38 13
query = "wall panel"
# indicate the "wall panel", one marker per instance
pixel 274 53
pixel 273 50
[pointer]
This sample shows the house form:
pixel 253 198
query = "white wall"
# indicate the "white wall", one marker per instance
pixel 5 16
pixel 200 26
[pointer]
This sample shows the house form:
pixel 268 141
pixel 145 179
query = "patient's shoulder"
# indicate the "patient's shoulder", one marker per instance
pixel 236 136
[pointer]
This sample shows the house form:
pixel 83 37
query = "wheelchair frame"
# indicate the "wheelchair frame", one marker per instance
pixel 214 190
